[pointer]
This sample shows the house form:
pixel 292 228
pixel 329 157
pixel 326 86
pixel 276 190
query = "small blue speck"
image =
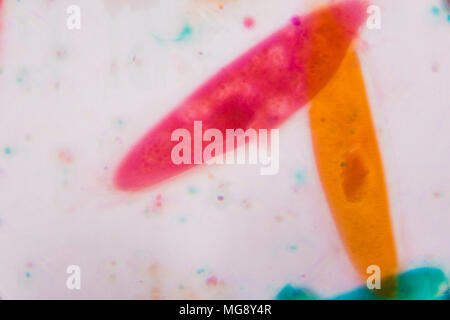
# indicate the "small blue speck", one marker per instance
pixel 300 177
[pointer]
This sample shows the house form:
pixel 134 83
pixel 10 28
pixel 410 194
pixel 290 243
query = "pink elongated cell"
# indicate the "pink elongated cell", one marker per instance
pixel 259 90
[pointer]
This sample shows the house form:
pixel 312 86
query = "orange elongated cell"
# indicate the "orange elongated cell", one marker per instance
pixel 350 169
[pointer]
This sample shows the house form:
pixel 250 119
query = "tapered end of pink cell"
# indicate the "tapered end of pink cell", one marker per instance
pixel 124 178
pixel 132 175
pixel 127 177
pixel 148 163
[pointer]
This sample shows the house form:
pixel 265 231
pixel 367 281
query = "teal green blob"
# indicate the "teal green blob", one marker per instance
pixel 424 284
pixel 192 190
pixel 8 150
pixel 300 176
pixel 200 271
pixel 435 10
pixel 415 284
pixel 361 293
pixel 184 34
pixel 292 293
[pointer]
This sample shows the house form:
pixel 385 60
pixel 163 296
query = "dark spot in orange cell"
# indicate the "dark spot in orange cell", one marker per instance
pixel 354 175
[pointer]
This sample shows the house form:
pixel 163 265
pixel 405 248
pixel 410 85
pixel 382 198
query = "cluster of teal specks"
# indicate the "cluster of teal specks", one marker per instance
pixel 443 10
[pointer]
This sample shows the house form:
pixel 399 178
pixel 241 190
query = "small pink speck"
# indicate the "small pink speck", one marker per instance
pixel 158 200
pixel 435 67
pixel 157 204
pixel 249 22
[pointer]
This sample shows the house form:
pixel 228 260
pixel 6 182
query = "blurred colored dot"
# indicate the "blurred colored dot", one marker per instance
pixel 199 271
pixel 28 275
pixel 249 22
pixel 220 198
pixel 7 150
pixel 435 67
pixel 211 281
pixel 435 10
pixel 192 190
pixel 65 156
pixel 300 177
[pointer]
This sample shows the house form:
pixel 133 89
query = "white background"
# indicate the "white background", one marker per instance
pixel 92 93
